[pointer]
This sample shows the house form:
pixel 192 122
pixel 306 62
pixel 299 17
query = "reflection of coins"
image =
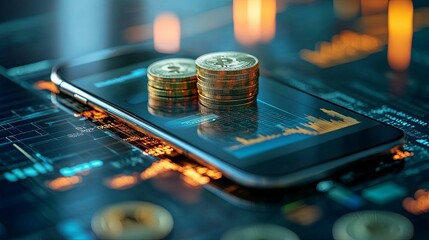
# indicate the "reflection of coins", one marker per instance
pixel 172 106
pixel 261 231
pixel 171 93
pixel 132 220
pixel 240 101
pixel 226 107
pixel 178 68
pixel 229 62
pixel 242 122
pixel 373 225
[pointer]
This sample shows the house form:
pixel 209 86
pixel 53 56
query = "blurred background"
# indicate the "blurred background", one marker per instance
pixel 50 30
pixel 371 56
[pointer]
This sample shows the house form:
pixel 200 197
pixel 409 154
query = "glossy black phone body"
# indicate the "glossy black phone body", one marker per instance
pixel 287 138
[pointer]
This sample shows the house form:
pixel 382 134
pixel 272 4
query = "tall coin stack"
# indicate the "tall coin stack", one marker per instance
pixel 172 86
pixel 227 80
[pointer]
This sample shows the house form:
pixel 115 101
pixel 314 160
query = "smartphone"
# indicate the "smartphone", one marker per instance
pixel 287 138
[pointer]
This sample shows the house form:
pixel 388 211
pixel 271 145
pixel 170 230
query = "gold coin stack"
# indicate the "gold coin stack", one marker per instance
pixel 172 87
pixel 227 80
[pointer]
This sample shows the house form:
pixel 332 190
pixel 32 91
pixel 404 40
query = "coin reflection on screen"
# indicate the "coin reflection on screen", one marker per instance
pixel 228 125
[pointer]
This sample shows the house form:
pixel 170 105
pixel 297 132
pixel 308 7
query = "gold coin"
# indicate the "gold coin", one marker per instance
pixel 171 105
pixel 222 76
pixel 250 90
pixel 229 82
pixel 228 62
pixel 171 80
pixel 172 86
pixel 169 100
pixel 175 68
pixel 170 93
pixel 226 85
pixel 132 220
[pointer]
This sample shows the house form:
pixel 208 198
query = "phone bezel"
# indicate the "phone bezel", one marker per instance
pixel 386 137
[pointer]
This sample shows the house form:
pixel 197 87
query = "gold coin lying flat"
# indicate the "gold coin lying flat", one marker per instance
pixel 173 86
pixel 171 93
pixel 171 100
pixel 227 62
pixel 172 68
pixel 132 220
pixel 223 76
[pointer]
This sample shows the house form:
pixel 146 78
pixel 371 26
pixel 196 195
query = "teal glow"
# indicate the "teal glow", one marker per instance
pixel 73 170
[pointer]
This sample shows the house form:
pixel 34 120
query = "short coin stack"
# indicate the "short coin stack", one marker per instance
pixel 227 80
pixel 172 86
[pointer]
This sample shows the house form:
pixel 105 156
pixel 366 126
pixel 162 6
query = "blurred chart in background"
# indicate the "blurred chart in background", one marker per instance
pixel 62 163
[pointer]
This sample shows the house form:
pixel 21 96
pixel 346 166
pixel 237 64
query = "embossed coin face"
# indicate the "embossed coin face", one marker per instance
pixel 373 225
pixel 226 61
pixel 132 220
pixel 173 68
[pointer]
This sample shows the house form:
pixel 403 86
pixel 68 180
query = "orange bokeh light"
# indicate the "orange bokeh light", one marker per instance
pixel 166 33
pixel 64 183
pixel 122 182
pixel 254 21
pixel 419 204
pixel 46 85
pixel 192 175
pixel 400 31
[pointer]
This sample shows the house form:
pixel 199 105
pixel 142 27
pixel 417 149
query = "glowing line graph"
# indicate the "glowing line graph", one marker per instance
pixel 315 126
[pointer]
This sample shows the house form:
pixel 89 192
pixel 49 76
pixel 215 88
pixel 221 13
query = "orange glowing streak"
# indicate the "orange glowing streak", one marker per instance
pixel 46 85
pixel 192 175
pixel 254 21
pixel 399 154
pixel 268 20
pixel 166 33
pixel 254 12
pixel 400 31
pixel 64 183
pixel 122 182
pixel 241 23
pixel 93 114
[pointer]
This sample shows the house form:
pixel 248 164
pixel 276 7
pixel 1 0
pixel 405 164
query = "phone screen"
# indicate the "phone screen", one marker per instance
pixel 285 126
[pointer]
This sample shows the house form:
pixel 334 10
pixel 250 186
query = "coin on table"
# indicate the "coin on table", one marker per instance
pixel 132 220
